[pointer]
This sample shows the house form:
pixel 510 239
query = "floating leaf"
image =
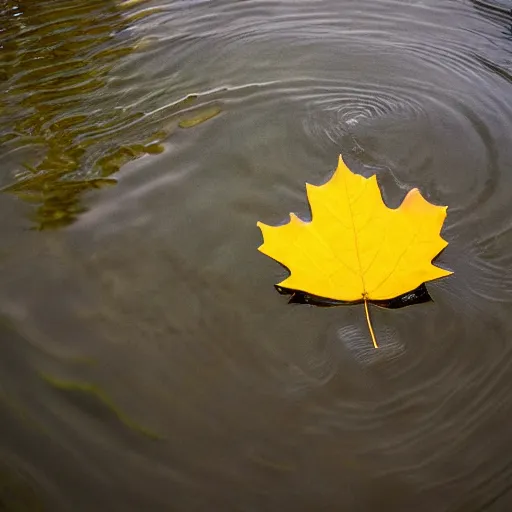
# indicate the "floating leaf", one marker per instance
pixel 356 249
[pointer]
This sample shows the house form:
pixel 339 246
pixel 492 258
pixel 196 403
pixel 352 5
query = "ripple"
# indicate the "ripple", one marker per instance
pixel 161 284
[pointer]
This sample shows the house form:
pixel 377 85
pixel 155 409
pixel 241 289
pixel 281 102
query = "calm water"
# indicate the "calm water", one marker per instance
pixel 147 362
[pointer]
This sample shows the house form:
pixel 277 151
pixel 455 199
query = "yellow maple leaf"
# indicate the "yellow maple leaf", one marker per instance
pixel 355 248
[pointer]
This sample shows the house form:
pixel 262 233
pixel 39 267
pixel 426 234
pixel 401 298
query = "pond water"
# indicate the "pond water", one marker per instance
pixel 147 361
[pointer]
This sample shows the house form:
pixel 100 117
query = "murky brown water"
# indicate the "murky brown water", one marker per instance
pixel 147 362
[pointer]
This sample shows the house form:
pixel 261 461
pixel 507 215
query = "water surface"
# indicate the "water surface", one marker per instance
pixel 148 363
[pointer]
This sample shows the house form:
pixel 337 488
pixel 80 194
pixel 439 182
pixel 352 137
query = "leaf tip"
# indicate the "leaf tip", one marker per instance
pixel 294 219
pixel 262 226
pixel 342 166
pixel 442 272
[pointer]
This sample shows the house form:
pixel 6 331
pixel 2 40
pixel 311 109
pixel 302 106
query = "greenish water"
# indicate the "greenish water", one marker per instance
pixel 60 108
pixel 148 364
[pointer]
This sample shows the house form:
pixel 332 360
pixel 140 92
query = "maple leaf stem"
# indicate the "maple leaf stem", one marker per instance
pixel 374 339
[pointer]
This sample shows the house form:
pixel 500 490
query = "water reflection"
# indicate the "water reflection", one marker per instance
pixel 58 104
pixel 56 60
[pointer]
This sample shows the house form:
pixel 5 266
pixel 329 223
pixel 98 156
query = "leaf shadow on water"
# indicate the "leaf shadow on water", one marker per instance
pixel 419 295
pixel 57 61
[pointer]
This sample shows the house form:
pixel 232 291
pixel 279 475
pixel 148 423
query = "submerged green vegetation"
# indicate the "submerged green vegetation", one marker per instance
pixel 58 103
pixel 17 493
pixel 91 391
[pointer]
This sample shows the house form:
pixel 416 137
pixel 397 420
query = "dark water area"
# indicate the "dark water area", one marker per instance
pixel 147 363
